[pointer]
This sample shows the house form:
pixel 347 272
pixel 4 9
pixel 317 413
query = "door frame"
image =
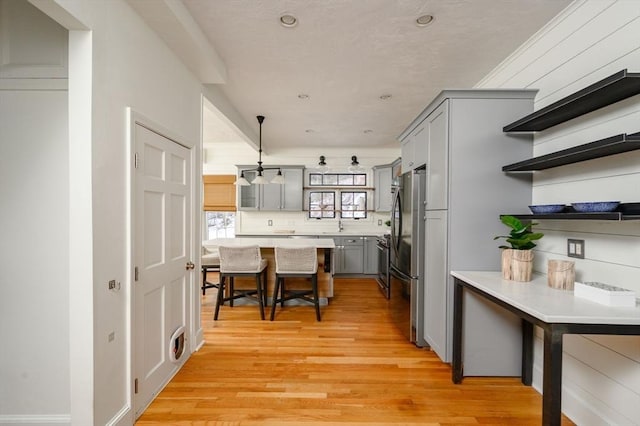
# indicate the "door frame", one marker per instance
pixel 134 118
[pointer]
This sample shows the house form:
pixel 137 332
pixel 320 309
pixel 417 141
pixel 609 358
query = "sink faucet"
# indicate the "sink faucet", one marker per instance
pixel 340 226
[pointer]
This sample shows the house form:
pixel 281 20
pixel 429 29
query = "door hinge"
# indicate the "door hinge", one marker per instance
pixel 135 160
pixel 135 386
pixel 135 273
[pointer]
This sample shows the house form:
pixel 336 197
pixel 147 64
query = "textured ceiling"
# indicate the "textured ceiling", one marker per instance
pixel 345 54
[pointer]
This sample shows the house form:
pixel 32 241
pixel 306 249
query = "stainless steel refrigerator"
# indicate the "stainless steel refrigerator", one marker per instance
pixel 407 247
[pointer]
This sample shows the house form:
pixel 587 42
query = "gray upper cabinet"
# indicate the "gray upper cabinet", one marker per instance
pixel 413 148
pixel 436 146
pixel 272 197
pixel 382 182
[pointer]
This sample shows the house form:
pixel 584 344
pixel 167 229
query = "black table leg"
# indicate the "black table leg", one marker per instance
pixel 552 377
pixel 527 352
pixel 456 362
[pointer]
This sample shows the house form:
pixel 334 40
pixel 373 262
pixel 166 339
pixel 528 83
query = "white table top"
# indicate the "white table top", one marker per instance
pixel 545 303
pixel 272 242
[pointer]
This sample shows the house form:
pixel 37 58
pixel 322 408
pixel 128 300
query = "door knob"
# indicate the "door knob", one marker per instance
pixel 190 265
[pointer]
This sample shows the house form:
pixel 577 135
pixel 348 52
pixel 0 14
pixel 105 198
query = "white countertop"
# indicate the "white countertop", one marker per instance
pixel 320 234
pixel 545 303
pixel 272 242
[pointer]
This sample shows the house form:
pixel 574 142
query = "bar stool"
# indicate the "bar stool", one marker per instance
pixel 296 262
pixel 242 262
pixel 210 261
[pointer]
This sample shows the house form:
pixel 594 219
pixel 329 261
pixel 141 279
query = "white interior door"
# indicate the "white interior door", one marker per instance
pixel 161 253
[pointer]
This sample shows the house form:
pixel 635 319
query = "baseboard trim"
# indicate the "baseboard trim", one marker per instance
pixel 34 420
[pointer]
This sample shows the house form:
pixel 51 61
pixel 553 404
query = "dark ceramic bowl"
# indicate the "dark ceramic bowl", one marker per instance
pixel 546 208
pixel 596 206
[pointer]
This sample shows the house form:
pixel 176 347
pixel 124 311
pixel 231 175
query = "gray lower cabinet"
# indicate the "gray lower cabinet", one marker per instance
pixel 349 255
pixel 370 256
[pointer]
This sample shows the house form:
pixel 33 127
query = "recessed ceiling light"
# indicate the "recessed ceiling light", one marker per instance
pixel 367 131
pixel 385 97
pixel 303 96
pixel 424 20
pixel 288 20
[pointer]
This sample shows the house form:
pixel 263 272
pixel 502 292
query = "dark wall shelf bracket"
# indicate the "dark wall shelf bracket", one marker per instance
pixel 589 151
pixel 612 89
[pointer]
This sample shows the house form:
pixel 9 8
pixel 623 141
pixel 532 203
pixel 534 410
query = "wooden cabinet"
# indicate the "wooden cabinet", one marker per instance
pixel 382 183
pixel 272 196
pixel 219 193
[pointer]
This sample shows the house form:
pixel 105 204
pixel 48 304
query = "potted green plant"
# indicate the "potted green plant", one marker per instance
pixel 517 257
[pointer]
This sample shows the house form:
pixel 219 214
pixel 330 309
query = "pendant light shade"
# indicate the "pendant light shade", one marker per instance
pixel 279 179
pixel 355 166
pixel 322 166
pixel 260 179
pixel 242 181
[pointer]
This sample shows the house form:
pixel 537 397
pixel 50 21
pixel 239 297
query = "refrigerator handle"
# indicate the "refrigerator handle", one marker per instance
pixel 395 233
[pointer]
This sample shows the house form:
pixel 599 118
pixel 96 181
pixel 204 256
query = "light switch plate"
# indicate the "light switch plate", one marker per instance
pixel 575 248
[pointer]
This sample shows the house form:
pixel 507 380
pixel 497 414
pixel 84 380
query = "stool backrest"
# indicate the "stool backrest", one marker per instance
pixel 296 260
pixel 239 259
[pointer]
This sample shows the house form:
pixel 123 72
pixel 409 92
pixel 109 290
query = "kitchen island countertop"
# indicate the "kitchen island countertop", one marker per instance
pixel 321 243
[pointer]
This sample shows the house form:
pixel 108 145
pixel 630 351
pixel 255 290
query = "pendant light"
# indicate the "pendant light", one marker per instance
pixel 355 166
pixel 322 166
pixel 260 179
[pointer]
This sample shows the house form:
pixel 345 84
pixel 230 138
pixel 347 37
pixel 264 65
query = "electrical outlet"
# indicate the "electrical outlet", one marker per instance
pixel 575 248
pixel 112 285
pixel 379 222
pixel 270 222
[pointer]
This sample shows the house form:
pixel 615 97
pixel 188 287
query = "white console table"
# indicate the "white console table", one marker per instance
pixel 557 312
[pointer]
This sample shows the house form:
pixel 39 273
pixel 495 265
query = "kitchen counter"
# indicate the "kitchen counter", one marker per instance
pixel 324 246
pixel 266 242
pixel 556 312
pixel 322 234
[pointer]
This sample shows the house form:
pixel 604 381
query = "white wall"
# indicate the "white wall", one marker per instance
pixel 126 57
pixel 34 218
pixel 591 40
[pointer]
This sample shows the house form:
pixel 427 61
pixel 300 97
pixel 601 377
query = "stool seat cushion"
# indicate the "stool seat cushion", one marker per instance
pixel 210 257
pixel 210 260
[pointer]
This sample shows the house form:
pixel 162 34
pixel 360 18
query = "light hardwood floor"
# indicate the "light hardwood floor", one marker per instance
pixel 353 368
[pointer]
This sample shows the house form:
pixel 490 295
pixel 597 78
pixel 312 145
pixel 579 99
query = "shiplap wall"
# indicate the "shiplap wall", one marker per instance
pixel 590 40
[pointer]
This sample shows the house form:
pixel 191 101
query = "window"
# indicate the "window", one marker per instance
pixel 322 204
pixel 337 179
pixel 221 225
pixel 353 205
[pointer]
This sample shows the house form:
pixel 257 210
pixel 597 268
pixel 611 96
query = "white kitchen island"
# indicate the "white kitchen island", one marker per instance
pixel 324 246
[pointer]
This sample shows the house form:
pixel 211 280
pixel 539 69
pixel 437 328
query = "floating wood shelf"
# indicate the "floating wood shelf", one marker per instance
pixel 589 151
pixel 612 89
